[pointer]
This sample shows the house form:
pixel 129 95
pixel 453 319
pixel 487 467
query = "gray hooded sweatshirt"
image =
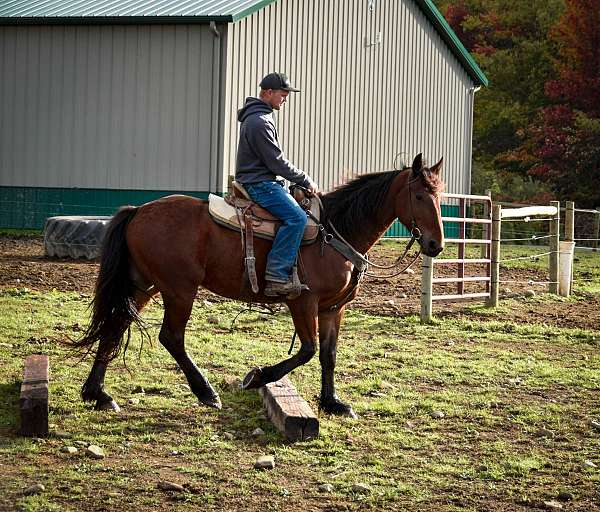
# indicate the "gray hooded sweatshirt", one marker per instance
pixel 259 156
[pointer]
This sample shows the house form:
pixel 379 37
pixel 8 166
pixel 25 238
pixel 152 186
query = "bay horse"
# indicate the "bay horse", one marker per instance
pixel 172 246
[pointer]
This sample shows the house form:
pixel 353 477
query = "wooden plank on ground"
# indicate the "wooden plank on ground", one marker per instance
pixel 288 411
pixel 33 403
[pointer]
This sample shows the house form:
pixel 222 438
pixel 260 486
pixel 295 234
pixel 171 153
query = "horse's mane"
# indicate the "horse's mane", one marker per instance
pixel 351 206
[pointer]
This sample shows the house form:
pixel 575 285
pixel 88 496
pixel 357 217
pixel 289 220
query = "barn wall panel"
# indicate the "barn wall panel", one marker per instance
pixel 113 107
pixel 375 84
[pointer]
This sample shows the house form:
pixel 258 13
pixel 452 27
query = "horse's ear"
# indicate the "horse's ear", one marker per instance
pixel 437 167
pixel 417 165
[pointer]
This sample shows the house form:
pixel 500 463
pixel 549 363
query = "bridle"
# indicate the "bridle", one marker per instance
pixel 361 261
pixel 415 235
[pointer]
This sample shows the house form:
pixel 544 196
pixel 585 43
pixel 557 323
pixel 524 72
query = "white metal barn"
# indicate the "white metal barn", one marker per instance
pixel 104 103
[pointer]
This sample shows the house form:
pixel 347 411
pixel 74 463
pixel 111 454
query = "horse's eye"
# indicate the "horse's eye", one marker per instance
pixel 419 196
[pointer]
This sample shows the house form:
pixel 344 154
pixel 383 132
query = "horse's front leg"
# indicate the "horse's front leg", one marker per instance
pixel 304 316
pixel 329 328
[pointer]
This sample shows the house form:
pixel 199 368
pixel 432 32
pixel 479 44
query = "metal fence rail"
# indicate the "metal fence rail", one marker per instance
pixel 463 221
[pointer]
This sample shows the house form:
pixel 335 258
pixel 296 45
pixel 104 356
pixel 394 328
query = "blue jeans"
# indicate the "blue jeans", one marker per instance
pixel 273 197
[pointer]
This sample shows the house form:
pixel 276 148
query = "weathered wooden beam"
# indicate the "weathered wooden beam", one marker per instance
pixel 288 411
pixel 33 403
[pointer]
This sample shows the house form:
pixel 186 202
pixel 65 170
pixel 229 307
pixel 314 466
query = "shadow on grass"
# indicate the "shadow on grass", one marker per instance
pixel 242 413
pixel 9 407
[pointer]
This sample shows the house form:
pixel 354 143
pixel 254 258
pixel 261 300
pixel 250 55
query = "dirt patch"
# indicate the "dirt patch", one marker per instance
pixel 23 264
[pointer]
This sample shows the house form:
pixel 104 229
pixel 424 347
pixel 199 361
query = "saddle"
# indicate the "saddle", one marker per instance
pixel 230 211
pixel 237 211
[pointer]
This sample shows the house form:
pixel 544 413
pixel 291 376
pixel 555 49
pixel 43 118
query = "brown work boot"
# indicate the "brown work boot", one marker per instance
pixel 290 289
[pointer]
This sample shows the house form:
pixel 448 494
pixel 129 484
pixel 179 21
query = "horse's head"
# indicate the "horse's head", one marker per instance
pixel 418 206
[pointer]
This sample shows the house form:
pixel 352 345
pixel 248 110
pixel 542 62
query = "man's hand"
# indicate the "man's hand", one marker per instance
pixel 312 188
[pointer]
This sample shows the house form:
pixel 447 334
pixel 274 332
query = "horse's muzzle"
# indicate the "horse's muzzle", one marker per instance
pixel 433 248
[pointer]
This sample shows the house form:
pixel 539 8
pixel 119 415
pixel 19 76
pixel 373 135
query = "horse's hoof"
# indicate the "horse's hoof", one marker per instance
pixel 337 407
pixel 108 406
pixel 351 414
pixel 212 401
pixel 253 380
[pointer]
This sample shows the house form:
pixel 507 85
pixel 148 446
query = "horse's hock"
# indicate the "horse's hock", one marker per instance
pixel 74 236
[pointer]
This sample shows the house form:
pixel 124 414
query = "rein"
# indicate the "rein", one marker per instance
pixel 360 262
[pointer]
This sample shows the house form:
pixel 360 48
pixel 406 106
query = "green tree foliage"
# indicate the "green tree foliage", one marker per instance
pixel 565 139
pixel 509 39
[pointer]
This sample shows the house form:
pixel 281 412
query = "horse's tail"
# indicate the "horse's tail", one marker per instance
pixel 113 307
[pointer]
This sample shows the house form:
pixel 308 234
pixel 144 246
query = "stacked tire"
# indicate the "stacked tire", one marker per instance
pixel 74 236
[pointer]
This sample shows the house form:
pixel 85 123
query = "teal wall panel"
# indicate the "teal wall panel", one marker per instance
pixel 397 230
pixel 29 207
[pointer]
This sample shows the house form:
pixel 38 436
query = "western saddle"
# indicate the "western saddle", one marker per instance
pixel 237 211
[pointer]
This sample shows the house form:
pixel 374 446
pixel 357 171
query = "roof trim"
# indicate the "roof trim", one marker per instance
pixel 451 39
pixel 251 10
pixel 115 20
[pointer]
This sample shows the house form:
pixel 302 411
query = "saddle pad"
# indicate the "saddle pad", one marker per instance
pixel 266 227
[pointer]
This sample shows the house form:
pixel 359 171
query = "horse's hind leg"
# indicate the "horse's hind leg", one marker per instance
pixel 93 389
pixel 172 332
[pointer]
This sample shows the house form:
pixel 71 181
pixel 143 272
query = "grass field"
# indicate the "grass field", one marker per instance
pixel 517 403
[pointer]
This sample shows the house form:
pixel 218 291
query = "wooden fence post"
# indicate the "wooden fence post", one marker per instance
pixel 569 221
pixel 596 228
pixel 570 234
pixel 426 290
pixel 554 248
pixel 495 255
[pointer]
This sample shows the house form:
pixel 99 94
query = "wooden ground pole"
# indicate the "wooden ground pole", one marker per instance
pixel 33 403
pixel 288 411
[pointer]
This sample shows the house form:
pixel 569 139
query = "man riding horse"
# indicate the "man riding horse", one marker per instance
pixel 173 245
pixel 260 161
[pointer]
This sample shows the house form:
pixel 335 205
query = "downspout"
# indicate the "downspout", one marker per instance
pixel 471 109
pixel 213 182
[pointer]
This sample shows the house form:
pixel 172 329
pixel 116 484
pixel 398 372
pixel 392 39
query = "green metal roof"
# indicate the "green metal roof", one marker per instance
pixel 462 54
pixel 34 12
pixel 126 11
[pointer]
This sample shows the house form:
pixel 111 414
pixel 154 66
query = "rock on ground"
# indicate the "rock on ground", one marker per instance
pixel 552 505
pixel 95 451
pixel 170 486
pixel 361 489
pixel 34 489
pixel 265 462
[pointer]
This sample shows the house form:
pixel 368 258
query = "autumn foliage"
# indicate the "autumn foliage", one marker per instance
pixel 566 137
pixel 537 127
